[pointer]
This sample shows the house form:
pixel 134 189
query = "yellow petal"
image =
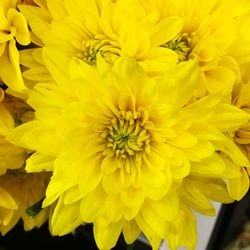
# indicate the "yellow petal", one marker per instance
pixel 6 200
pixel 131 231
pixel 19 22
pixel 106 236
pixel 211 166
pixel 201 150
pixel 91 176
pixel 65 218
pixel 6 122
pixel 180 166
pixel 10 72
pixel 132 197
pixel 183 140
pixel 167 208
pixel 31 12
pixel 214 189
pixel 57 64
pixel 228 117
pixel 165 30
pixel 152 236
pixel 110 164
pixel 187 72
pixel 91 206
pixel 114 208
pixel 195 198
pixel 238 187
pixel 72 195
pixel 159 226
pixel 112 183
pixel 220 80
pixel 56 9
pixel 152 177
pixel 38 162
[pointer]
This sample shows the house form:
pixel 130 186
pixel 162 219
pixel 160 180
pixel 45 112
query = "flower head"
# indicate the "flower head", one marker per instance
pixel 13 177
pixel 216 34
pixel 32 188
pixel 108 28
pixel 125 144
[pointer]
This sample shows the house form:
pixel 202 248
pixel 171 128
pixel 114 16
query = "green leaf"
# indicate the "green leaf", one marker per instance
pixel 35 209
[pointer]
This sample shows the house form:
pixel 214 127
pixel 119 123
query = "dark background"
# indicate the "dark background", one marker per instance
pixel 229 225
pixel 40 239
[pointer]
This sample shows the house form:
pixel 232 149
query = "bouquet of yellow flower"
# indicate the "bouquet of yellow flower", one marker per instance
pixel 127 114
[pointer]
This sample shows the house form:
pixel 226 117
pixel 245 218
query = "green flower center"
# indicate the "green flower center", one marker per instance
pixel 106 47
pixel 126 135
pixel 181 45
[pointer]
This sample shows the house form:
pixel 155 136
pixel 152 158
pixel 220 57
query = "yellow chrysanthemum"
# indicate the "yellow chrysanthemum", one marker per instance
pixel 26 189
pixel 13 29
pixel 110 29
pixel 121 143
pixel 215 32
pixel 19 190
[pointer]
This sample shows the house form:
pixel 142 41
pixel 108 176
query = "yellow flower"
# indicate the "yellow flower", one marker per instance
pixel 25 189
pixel 13 29
pixel 120 144
pixel 18 189
pixel 110 29
pixel 215 32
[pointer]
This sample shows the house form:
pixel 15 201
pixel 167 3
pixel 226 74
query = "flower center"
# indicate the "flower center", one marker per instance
pixel 126 136
pixel 108 49
pixel 181 45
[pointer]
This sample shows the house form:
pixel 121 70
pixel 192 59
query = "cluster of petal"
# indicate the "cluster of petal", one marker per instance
pixel 109 28
pixel 19 190
pixel 141 113
pixel 132 153
pixel 13 30
pixel 216 34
